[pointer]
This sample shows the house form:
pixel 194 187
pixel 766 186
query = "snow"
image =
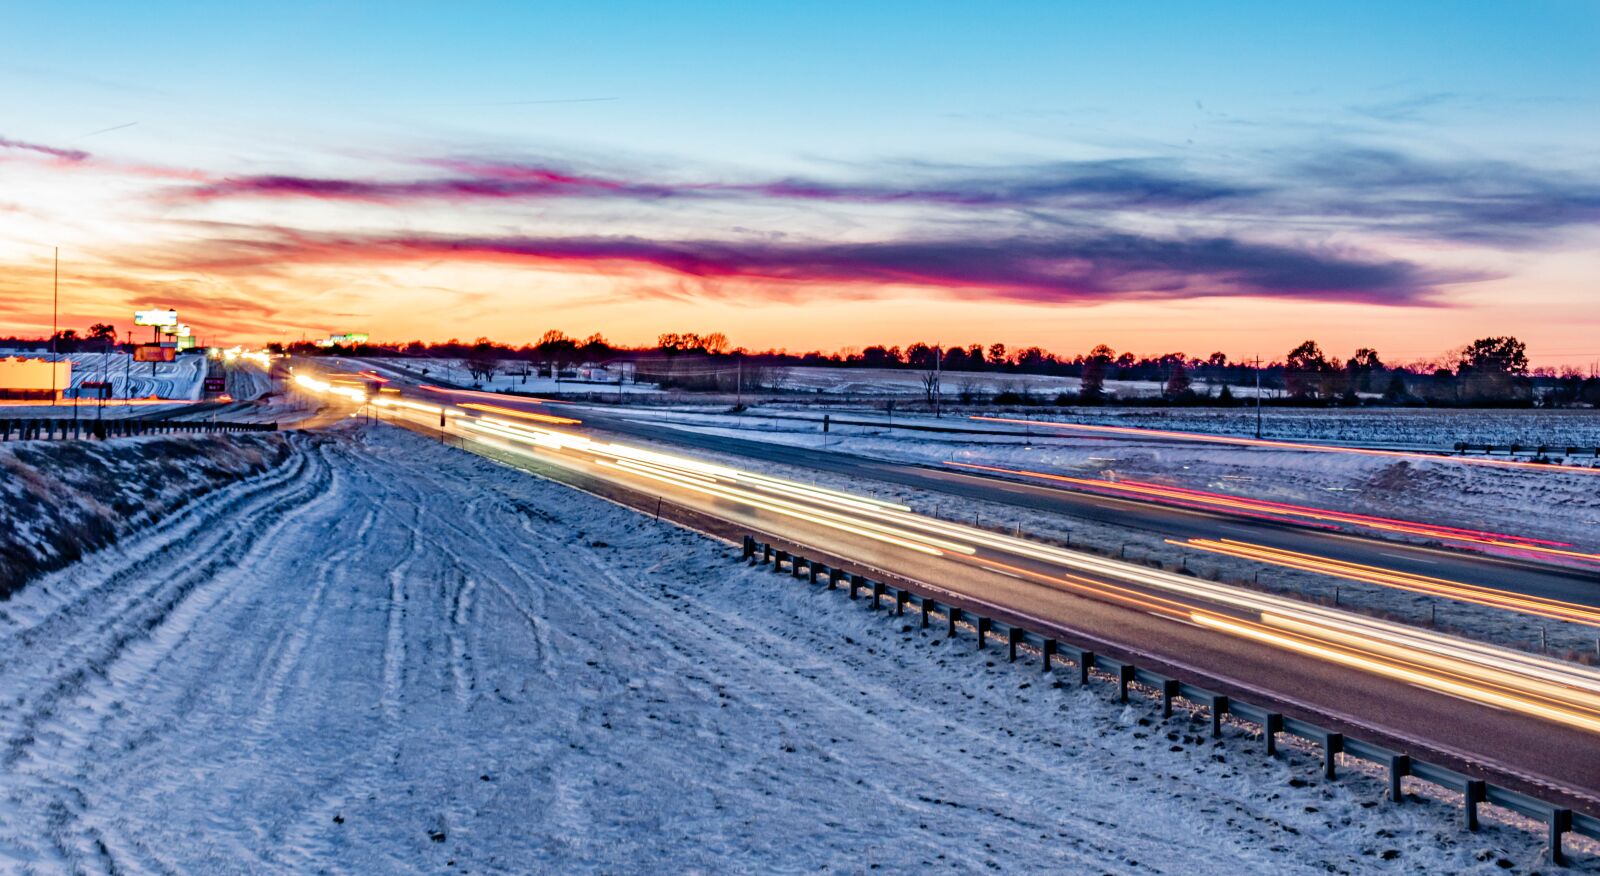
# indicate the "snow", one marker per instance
pixel 179 379
pixel 591 380
pixel 1390 427
pixel 870 382
pixel 389 656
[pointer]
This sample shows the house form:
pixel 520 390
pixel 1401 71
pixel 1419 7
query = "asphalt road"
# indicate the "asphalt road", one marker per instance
pixel 1551 582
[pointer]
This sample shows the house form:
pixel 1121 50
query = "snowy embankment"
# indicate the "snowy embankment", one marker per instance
pixel 61 499
pixel 390 656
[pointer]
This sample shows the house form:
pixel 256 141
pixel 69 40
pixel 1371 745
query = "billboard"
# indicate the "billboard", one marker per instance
pixel 155 317
pixel 186 342
pixel 341 340
pixel 154 353
pixel 30 375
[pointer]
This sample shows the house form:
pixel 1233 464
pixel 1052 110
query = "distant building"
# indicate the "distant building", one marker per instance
pixel 35 379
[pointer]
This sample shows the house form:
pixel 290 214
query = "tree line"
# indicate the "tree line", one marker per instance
pixel 1487 371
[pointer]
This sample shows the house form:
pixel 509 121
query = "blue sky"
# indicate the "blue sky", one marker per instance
pixel 1499 100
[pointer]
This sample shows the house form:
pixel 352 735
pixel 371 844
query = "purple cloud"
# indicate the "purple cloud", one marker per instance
pixel 52 151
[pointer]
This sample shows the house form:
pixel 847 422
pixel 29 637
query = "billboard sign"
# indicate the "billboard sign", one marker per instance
pixel 154 353
pixel 155 317
pixel 186 342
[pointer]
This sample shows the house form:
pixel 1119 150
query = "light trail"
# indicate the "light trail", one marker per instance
pixel 526 415
pixel 1502 678
pixel 1582 720
pixel 1283 511
pixel 1294 445
pixel 1462 592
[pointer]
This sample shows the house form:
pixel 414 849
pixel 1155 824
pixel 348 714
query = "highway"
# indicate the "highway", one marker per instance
pixel 1178 523
pixel 1526 722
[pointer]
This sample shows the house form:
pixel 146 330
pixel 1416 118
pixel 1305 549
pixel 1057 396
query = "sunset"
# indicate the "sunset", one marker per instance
pixel 686 437
pixel 1040 175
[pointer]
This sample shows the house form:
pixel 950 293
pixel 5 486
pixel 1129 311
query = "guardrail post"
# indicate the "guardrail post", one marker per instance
pixel 1013 636
pixel 1399 768
pixel 834 577
pixel 877 594
pixel 1332 744
pixel 811 567
pixel 749 547
pixel 1124 679
pixel 983 631
pixel 1085 663
pixel 925 603
pixel 855 582
pixel 1476 791
pixel 1270 732
pixel 901 597
pixel 1219 707
pixel 1169 692
pixel 951 615
pixel 794 570
pixel 1560 822
pixel 766 554
pixel 1049 651
pixel 777 560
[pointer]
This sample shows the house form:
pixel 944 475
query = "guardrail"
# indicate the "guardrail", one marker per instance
pixel 1053 648
pixel 61 429
pixel 1539 451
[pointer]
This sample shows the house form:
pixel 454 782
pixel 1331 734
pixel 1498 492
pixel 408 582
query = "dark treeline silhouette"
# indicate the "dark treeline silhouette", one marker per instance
pixel 1491 371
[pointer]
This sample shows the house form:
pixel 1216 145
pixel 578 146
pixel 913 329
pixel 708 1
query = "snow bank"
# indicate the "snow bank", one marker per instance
pixel 62 499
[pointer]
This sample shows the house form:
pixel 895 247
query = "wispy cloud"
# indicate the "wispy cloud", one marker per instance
pixel 1065 267
pixel 40 149
pixel 1105 184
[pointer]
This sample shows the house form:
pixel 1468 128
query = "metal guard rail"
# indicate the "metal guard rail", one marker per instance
pixel 61 429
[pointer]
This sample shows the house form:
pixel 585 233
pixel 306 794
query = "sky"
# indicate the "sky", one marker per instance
pixel 1154 176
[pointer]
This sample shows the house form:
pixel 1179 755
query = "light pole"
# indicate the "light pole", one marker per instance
pixel 55 314
pixel 1258 397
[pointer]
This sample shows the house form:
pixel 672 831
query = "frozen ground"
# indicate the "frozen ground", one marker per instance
pixel 388 656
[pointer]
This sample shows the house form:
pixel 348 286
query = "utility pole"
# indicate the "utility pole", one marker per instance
pixel 55 312
pixel 1258 397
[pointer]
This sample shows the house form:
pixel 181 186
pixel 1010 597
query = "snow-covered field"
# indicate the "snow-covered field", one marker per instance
pixel 599 381
pixel 179 379
pixel 869 382
pixel 1416 427
pixel 388 656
